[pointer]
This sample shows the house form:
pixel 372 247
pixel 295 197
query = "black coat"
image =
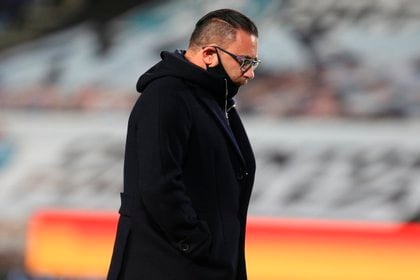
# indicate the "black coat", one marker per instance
pixel 188 176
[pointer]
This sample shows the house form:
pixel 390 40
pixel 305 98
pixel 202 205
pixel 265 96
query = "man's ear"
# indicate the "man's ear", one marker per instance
pixel 209 56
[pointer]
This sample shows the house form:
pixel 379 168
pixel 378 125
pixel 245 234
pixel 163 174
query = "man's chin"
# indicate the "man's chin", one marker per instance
pixel 242 83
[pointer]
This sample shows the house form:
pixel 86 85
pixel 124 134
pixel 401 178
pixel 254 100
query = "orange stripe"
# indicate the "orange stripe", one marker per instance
pixel 293 249
pixel 79 244
pixel 76 244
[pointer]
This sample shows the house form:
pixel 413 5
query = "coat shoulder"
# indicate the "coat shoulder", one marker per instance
pixel 165 94
pixel 167 85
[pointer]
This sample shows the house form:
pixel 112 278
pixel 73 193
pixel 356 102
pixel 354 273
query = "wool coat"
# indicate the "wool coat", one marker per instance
pixel 188 175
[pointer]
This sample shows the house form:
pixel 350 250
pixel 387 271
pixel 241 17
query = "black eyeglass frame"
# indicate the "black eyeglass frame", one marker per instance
pixel 241 59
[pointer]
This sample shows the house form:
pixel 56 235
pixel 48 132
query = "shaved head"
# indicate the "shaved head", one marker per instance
pixel 220 27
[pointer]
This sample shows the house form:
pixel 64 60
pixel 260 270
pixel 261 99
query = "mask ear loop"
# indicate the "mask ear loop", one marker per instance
pixel 219 61
pixel 218 58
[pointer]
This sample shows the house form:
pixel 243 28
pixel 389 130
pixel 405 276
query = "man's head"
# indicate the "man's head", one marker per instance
pixel 228 37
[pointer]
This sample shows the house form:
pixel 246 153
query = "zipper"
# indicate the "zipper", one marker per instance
pixel 226 99
pixel 231 107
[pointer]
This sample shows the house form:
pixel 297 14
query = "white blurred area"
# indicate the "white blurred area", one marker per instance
pixel 333 113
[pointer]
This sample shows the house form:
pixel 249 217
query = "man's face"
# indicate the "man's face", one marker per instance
pixel 245 45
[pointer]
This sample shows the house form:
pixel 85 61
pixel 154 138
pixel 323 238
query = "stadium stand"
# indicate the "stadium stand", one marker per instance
pixel 348 69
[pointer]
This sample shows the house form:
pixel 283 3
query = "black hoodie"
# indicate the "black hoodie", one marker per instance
pixel 175 65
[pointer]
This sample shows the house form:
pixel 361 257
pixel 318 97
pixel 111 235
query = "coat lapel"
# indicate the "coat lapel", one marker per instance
pixel 220 117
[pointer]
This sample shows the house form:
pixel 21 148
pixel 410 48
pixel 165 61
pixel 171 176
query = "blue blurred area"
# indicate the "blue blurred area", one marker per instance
pixel 6 152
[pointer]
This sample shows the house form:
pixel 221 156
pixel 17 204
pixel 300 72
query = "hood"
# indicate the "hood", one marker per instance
pixel 175 65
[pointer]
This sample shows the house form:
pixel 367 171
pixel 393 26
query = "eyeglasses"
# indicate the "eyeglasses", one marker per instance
pixel 245 62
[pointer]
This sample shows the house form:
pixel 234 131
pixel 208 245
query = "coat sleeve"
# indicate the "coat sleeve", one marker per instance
pixel 163 129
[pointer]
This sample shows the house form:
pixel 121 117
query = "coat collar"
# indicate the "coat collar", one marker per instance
pixel 211 90
pixel 221 119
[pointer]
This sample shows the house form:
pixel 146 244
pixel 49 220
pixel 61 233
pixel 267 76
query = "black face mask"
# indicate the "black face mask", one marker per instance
pixel 220 72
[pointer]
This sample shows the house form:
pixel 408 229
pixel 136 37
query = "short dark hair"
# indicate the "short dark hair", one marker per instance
pixel 220 27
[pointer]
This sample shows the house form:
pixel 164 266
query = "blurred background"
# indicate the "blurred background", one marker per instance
pixel 333 113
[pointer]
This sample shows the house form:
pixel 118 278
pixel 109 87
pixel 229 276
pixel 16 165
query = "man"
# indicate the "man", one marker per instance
pixel 189 167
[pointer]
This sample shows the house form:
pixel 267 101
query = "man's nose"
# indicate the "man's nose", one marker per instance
pixel 249 74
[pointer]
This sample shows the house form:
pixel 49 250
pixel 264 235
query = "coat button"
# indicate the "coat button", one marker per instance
pixel 184 247
pixel 241 175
